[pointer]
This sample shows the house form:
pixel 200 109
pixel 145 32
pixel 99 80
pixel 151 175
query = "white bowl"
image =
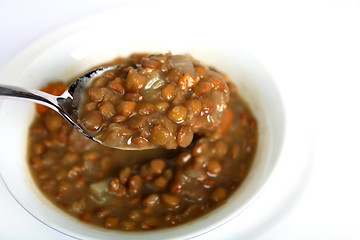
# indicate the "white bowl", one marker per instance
pixel 67 52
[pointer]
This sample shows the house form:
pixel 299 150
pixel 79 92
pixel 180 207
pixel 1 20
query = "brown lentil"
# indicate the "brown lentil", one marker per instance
pixel 136 122
pixel 162 106
pixel 200 71
pixel 124 175
pixel 178 113
pixel 170 200
pixel 160 182
pixel 134 184
pixel 145 108
pixel 96 94
pixel 193 106
pixel 168 92
pixel 159 135
pixel 100 82
pixel 157 166
pixel 218 194
pixel 134 96
pixel 213 167
pixel 149 223
pixel 91 106
pixel 134 81
pixel 151 200
pixel 103 213
pixel 184 136
pixel 149 63
pixel 111 222
pixel 128 225
pixel 134 215
pixel 125 108
pixel 117 85
pixel 53 122
pixel 202 88
pixel 107 109
pixel 92 120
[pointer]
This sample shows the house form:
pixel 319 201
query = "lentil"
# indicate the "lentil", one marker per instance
pixel 92 120
pixel 111 222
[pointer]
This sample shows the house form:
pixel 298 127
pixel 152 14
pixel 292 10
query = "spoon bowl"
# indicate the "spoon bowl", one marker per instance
pixel 67 104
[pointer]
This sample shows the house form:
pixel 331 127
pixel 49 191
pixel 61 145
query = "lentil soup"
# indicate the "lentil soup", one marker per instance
pixel 160 100
pixel 146 189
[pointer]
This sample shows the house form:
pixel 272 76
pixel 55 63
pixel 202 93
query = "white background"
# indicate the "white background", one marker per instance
pixel 312 50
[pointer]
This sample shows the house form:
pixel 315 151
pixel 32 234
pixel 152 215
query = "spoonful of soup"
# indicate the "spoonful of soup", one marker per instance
pixel 159 100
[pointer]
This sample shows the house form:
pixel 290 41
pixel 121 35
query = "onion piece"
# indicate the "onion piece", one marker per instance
pixel 154 81
pixel 183 63
pixel 100 190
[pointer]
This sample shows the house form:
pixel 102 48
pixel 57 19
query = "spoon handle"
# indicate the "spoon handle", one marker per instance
pixel 57 103
pixel 12 92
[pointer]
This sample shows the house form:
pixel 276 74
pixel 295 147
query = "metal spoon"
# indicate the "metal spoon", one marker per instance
pixel 67 105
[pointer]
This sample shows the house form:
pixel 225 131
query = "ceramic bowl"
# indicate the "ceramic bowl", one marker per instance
pixel 68 52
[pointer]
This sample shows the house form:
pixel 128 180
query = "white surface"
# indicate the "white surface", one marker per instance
pixel 312 50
